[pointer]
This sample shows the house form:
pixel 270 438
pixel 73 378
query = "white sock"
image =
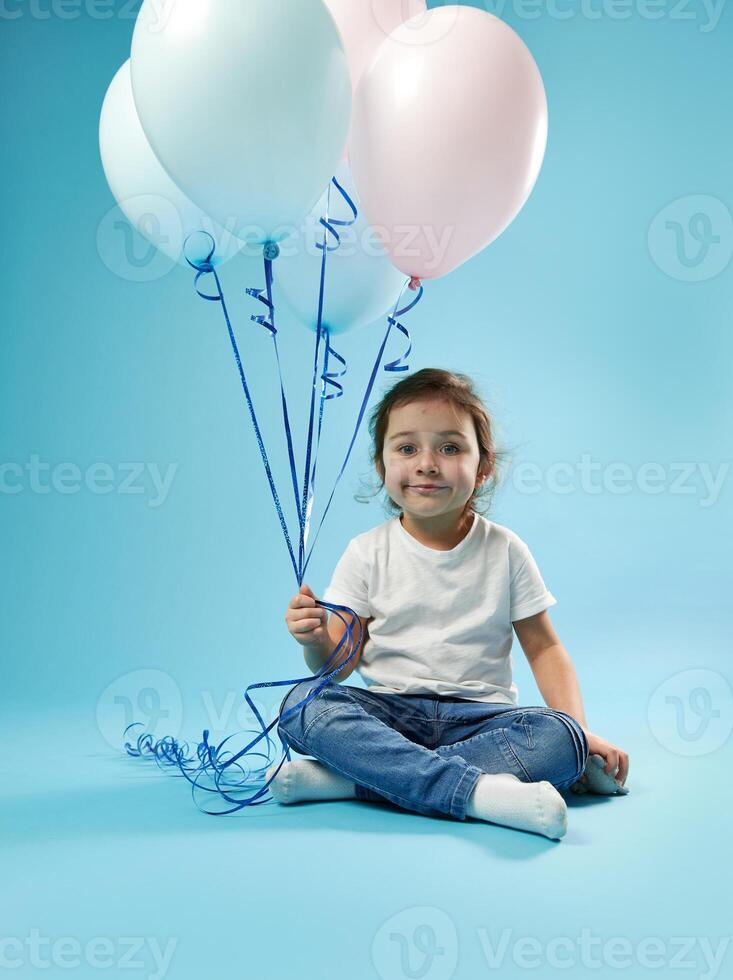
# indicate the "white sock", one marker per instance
pixel 503 798
pixel 500 798
pixel 307 779
pixel 598 780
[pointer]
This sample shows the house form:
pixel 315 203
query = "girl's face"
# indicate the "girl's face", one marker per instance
pixel 430 443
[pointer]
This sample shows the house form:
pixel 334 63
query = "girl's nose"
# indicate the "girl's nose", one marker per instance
pixel 427 463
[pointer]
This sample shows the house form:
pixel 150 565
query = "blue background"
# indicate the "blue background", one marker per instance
pixel 583 338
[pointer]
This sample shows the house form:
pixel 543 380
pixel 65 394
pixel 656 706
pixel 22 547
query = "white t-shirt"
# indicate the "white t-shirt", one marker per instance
pixel 442 620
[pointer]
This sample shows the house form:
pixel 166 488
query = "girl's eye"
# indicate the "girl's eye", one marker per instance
pixel 447 445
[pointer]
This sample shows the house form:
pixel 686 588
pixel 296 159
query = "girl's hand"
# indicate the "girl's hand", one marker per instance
pixel 307 621
pixel 617 761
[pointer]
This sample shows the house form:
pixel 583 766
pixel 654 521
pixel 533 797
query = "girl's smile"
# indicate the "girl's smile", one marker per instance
pixel 426 489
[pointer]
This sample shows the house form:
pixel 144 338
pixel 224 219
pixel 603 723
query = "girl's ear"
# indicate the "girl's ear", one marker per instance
pixel 483 474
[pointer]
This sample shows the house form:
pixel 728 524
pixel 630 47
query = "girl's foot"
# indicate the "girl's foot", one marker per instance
pixel 504 799
pixel 597 780
pixel 307 779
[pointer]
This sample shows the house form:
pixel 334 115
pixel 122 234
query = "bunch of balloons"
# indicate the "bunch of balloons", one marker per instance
pixel 250 124
pixel 238 114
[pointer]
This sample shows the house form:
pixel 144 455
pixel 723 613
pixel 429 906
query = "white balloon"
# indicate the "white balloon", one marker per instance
pixel 361 283
pixel 146 194
pixel 246 103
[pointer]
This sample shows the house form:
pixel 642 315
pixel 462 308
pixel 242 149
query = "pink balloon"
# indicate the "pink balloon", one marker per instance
pixel 365 24
pixel 448 133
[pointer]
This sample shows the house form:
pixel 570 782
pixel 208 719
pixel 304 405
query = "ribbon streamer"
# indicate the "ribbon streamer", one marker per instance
pixel 271 251
pixel 396 365
pixel 204 268
pixel 330 225
pixel 210 768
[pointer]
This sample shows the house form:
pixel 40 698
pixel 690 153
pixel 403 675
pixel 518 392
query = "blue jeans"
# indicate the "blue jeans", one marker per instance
pixel 426 753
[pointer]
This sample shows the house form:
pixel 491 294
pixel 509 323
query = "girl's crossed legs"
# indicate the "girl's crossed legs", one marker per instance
pixel 427 755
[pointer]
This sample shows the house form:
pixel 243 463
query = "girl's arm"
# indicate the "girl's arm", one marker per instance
pixel 551 665
pixel 336 630
pixel 556 678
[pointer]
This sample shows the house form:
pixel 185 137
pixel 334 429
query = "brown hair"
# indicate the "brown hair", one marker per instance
pixel 458 390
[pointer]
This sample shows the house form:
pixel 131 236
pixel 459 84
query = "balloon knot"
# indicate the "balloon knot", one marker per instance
pixel 271 251
pixel 415 283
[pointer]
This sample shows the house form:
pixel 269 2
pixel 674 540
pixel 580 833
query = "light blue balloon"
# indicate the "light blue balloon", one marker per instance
pixel 145 193
pixel 246 103
pixel 361 285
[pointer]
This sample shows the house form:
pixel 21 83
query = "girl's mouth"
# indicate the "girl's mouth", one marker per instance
pixel 426 490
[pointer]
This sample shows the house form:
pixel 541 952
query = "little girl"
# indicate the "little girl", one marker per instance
pixel 438 588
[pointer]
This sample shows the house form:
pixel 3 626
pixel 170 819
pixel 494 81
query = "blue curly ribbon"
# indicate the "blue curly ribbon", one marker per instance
pixel 330 225
pixel 271 252
pixel 204 267
pixel 211 768
pixel 328 377
pixel 396 365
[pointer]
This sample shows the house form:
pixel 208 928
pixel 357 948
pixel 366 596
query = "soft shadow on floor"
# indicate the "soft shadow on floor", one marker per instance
pixel 146 802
